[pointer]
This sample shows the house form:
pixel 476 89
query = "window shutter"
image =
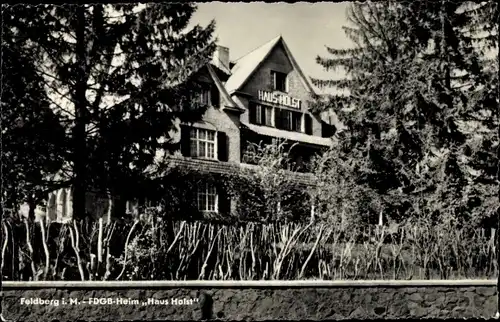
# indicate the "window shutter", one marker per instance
pixel 287 119
pixel 222 146
pixel 277 118
pixel 185 140
pixel 224 201
pixel 272 81
pixel 308 125
pixel 252 113
pixel 214 96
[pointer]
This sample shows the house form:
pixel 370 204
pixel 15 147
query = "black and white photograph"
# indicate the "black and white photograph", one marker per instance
pixel 249 161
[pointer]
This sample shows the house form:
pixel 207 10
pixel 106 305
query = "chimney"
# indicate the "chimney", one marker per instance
pixel 221 58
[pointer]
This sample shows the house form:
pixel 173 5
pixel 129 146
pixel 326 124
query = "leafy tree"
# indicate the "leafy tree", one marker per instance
pixel 340 198
pixel 121 75
pixel 270 190
pixel 416 78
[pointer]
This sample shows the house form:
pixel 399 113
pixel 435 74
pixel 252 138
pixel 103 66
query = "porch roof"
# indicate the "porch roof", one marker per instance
pixel 287 135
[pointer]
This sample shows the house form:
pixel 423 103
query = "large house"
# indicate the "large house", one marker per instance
pixel 261 97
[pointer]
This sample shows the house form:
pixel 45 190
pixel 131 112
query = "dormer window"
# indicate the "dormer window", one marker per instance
pixel 205 96
pixel 208 95
pixel 279 81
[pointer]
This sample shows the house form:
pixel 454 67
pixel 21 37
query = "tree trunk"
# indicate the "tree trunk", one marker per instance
pixel 32 206
pixel 15 265
pixel 45 249
pixel 5 243
pixel 97 273
pixel 79 135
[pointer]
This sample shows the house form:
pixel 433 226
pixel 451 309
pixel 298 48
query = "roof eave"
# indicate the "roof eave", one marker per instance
pixel 234 109
pixel 295 65
pixel 227 98
pixel 236 92
pixel 258 65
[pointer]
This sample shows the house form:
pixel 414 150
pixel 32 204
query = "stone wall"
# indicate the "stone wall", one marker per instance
pixel 195 300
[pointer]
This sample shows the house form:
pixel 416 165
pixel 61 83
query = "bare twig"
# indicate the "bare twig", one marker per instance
pixel 5 243
pixel 108 254
pixel 181 228
pixel 202 273
pixel 30 249
pixel 46 250
pixel 136 222
pixel 313 249
pixel 74 244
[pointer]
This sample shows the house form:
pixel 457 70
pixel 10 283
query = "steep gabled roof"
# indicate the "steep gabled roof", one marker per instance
pixel 248 64
pixel 229 103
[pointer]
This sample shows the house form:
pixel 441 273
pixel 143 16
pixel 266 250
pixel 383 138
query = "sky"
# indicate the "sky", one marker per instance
pixel 306 28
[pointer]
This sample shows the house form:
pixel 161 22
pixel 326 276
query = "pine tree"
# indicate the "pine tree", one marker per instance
pixel 121 75
pixel 413 81
pixel 32 138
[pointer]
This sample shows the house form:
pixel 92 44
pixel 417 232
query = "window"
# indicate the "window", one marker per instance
pixel 268 116
pixel 279 81
pixel 205 96
pixel 280 118
pixel 206 198
pixel 296 122
pixel 202 143
pixel 288 120
pixel 261 115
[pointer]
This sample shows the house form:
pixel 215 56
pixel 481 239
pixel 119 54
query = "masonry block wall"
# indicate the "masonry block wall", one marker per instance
pixel 242 101
pixel 254 304
pixel 229 123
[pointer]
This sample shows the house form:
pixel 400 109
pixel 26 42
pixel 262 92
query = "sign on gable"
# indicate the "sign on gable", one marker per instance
pixel 280 99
